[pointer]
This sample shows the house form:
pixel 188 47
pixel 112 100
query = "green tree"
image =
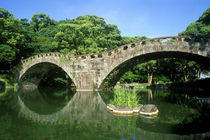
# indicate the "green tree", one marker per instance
pixel 7 54
pixel 39 21
pixel 40 32
pixel 200 27
pixel 137 73
pixel 12 39
pixel 86 34
pixel 205 18
pixel 127 40
pixel 25 21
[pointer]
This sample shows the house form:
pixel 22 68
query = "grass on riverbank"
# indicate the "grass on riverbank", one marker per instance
pixel 125 97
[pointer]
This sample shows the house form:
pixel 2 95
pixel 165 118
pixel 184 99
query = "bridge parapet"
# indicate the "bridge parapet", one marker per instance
pixel 50 54
pixel 156 41
pixel 105 53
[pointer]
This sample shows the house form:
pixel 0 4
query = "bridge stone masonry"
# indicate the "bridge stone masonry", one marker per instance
pixel 89 71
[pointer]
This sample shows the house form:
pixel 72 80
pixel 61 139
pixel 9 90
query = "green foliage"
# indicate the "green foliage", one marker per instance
pixel 39 21
pixel 5 14
pixel 86 34
pixel 56 77
pixel 173 40
pixel 63 59
pixel 7 54
pixel 12 38
pixel 74 74
pixel 127 40
pixel 5 127
pixel 82 35
pixel 10 78
pixel 125 97
pixel 61 80
pixel 205 18
pixel 165 70
pixel 129 77
pixel 200 27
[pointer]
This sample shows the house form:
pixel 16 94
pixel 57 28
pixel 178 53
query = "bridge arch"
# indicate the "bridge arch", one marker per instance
pixel 166 47
pixel 125 66
pixel 36 67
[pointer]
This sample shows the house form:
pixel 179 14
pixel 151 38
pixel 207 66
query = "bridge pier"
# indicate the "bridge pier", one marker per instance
pixel 86 81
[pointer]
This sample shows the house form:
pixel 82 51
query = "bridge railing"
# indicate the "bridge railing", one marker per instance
pixel 53 54
pixel 117 50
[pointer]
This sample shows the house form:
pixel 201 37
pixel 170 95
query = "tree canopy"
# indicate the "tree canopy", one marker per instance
pixel 11 37
pixel 82 35
pixel 201 27
pixel 86 34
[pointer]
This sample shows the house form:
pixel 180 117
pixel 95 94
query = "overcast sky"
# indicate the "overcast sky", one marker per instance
pixel 151 18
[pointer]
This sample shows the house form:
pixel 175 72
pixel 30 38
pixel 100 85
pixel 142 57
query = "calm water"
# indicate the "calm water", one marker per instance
pixel 49 114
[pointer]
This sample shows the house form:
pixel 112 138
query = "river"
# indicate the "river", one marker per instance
pixel 52 114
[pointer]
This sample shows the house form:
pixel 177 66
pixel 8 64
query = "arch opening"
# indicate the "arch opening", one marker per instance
pixel 45 74
pixel 47 82
pixel 114 76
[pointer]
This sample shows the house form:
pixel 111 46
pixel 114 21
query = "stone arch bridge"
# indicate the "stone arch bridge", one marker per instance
pixel 89 71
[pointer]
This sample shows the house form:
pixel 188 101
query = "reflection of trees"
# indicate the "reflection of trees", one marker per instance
pixel 149 94
pixel 178 112
pixel 8 102
pixel 9 98
pixel 125 126
pixel 5 126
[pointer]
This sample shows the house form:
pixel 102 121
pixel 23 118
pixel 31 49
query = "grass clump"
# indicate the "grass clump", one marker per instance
pixel 63 59
pixel 125 97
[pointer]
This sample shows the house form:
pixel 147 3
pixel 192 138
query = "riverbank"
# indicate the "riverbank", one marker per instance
pixel 201 85
pixel 198 85
pixel 8 80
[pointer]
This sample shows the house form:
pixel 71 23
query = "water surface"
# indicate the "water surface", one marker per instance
pixel 47 114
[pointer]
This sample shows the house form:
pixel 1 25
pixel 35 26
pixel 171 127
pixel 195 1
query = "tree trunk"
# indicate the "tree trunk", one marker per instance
pixel 186 76
pixel 149 75
pixel 199 74
pixel 149 78
pixel 149 94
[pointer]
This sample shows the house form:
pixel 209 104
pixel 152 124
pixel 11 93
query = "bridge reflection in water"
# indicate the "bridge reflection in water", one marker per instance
pixel 82 107
pixel 89 109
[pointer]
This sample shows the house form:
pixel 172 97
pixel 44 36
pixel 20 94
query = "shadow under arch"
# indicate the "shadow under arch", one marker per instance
pixel 121 68
pixel 31 76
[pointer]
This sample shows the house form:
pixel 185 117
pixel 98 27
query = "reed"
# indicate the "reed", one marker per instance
pixel 125 97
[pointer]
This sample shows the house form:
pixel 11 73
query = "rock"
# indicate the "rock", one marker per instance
pixel 149 110
pixel 136 109
pixel 110 107
pixel 123 110
pixel 146 110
